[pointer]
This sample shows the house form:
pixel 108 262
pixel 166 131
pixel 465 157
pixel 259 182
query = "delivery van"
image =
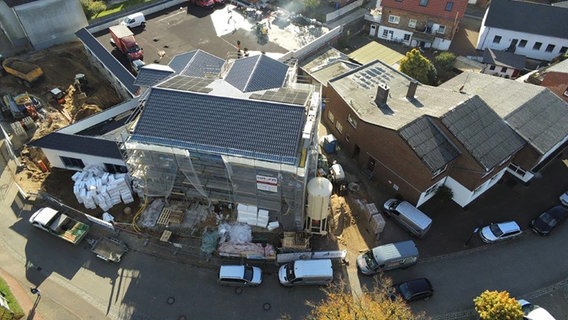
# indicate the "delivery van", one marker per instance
pixel 306 272
pixel 387 257
pixel 408 216
pixel 134 20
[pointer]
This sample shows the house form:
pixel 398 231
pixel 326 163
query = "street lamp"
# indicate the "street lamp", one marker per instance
pixel 471 236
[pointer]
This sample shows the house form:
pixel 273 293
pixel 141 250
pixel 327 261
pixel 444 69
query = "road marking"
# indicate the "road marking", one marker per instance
pixel 173 15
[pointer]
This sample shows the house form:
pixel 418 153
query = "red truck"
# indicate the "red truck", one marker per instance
pixel 124 40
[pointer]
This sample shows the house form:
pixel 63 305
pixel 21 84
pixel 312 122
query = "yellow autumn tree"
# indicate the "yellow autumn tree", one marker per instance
pixel 497 305
pixel 376 304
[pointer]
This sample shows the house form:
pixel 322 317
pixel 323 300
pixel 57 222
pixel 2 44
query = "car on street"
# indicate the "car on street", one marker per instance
pixel 415 289
pixel 548 220
pixel 564 198
pixel 534 312
pixel 500 231
pixel 240 275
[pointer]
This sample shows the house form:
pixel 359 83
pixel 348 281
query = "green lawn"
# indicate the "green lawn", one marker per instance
pixel 13 304
pixel 123 6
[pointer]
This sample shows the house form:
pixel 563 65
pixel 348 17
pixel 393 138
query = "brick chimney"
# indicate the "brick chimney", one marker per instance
pixel 382 94
pixel 411 89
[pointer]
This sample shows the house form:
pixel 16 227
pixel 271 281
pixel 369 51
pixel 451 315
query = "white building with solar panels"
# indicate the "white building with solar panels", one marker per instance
pixel 234 132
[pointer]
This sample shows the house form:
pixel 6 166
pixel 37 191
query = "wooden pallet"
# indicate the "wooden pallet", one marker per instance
pixel 169 215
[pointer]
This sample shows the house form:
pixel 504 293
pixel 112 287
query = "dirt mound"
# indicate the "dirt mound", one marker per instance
pixel 60 65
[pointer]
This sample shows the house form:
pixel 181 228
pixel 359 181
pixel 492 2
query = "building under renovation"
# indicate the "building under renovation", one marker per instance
pixel 230 132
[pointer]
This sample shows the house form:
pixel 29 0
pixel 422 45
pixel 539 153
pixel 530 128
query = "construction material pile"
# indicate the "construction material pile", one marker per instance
pixel 251 215
pixel 96 187
pixel 235 241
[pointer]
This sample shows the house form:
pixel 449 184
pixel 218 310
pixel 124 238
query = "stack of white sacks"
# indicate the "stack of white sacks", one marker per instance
pixel 251 215
pixel 95 187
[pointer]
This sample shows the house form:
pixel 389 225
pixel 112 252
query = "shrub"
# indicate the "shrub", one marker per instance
pixel 445 61
pixel 93 7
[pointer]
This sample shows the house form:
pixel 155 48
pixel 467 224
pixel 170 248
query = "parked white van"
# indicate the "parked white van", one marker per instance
pixel 134 20
pixel 306 272
pixel 387 257
pixel 408 216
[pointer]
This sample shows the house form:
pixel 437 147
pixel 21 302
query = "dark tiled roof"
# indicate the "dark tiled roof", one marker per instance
pixel 542 121
pixel 78 144
pixel 181 60
pixel 504 59
pixel 249 128
pixel 148 76
pixel 529 17
pixel 203 64
pixel 257 73
pixel 486 136
pixel 118 70
pixel 429 143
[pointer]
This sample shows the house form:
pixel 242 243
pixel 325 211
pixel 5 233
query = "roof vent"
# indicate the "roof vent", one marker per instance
pixel 411 89
pixel 382 94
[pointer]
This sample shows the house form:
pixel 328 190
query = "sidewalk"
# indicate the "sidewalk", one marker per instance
pixel 22 295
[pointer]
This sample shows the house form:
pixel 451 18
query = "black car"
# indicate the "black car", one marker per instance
pixel 415 289
pixel 548 220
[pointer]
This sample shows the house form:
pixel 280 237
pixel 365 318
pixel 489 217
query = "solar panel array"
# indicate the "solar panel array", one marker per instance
pixel 372 76
pixel 186 83
pixel 298 97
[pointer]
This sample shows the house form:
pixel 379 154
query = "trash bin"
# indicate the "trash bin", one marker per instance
pixel 329 143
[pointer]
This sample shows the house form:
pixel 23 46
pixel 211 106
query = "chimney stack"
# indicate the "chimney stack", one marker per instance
pixel 411 89
pixel 382 94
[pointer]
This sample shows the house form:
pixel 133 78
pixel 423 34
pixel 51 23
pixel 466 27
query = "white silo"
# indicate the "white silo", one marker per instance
pixel 317 212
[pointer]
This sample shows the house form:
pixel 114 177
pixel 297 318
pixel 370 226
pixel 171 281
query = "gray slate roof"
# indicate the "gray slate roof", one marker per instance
pixel 543 121
pixel 181 60
pixel 504 59
pixel 429 143
pixel 202 64
pixel 254 129
pixel 529 17
pixel 256 73
pixel 482 132
pixel 149 76
pixel 106 58
pixel 77 144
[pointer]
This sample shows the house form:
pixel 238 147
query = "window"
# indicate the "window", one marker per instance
pixel 437 172
pixel 347 138
pixel 394 19
pixel 412 23
pixel 550 47
pixel 503 69
pixel 72 162
pixel 537 45
pixel 352 121
pixel 385 33
pixel 115 168
pixel 441 29
pixel 497 39
pixel 406 37
pixel 563 50
pixel 492 68
pixel 423 3
pixel 330 116
pixel 431 190
pixel 339 127
pixel 523 43
pixel 449 5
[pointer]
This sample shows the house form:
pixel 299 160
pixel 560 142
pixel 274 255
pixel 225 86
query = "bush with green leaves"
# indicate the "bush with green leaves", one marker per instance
pixel 445 61
pixel 93 7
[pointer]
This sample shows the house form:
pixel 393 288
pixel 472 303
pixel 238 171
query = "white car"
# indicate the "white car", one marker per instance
pixel 240 275
pixel 564 198
pixel 534 312
pixel 500 231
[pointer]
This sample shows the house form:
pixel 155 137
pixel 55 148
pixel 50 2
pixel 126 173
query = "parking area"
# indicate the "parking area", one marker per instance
pixel 182 29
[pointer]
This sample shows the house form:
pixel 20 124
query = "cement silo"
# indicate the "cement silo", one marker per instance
pixel 317 212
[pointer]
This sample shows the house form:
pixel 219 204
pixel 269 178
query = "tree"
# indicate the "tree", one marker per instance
pixel 415 65
pixel 311 4
pixel 497 305
pixel 445 61
pixel 377 304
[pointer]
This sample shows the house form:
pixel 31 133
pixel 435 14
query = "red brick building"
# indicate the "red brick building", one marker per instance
pixel 420 23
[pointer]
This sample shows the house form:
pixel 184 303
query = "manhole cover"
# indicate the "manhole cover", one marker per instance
pixel 266 306
pixel 238 290
pixel 182 318
pixel 171 300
